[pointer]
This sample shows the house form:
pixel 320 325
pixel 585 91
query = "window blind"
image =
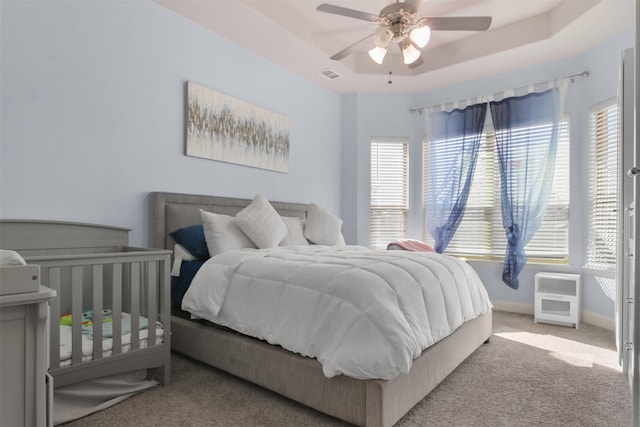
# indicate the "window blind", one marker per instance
pixel 389 205
pixel 473 235
pixel 603 187
pixel 481 233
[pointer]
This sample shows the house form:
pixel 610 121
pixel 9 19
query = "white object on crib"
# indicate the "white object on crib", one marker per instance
pixel 8 257
pixel 16 276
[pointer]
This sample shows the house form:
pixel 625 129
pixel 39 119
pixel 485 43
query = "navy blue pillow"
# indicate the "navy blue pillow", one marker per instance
pixel 179 285
pixel 192 239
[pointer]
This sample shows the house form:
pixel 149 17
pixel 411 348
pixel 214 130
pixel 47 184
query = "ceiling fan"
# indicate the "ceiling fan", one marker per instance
pixel 397 22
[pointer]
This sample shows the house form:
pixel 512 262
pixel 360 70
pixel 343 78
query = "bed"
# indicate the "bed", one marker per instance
pixel 367 402
pixel 106 290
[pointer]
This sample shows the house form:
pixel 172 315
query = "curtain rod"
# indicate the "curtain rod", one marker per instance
pixel 571 77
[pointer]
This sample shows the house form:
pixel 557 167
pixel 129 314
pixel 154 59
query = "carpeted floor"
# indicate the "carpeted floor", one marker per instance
pixel 528 375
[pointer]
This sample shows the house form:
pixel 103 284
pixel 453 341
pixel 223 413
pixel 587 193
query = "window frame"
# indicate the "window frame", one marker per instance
pixel 490 210
pixel 594 259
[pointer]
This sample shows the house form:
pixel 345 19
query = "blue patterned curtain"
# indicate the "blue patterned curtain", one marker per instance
pixel 526 129
pixel 453 150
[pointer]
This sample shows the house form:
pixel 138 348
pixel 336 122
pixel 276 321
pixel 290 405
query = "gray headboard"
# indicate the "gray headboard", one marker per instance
pixel 172 211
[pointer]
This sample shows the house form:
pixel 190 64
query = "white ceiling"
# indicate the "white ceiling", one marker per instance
pixel 523 32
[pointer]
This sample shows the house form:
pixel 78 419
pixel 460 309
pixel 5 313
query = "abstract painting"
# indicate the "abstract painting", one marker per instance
pixel 220 127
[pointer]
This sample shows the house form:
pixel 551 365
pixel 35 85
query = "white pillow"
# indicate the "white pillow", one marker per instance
pixel 261 223
pixel 295 234
pixel 222 234
pixel 322 227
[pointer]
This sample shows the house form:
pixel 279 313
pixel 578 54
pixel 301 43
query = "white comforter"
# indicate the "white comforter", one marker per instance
pixel 360 312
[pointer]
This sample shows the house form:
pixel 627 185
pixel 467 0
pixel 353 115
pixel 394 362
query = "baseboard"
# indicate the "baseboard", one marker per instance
pixel 585 316
pixel 598 320
pixel 513 307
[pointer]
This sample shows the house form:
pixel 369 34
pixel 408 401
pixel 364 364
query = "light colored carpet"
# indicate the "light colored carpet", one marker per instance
pixel 528 375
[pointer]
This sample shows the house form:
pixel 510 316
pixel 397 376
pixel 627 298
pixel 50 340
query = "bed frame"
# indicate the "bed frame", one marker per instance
pixel 371 403
pixel 91 266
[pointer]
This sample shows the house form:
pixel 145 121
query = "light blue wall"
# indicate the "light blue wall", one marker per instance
pixel 92 114
pixel 92 120
pixel 366 115
pixel 388 115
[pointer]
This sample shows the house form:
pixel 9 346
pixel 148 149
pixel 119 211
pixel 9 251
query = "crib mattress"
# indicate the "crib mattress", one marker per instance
pixel 107 344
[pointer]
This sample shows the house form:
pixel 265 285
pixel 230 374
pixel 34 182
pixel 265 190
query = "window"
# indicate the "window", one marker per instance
pixel 603 186
pixel 481 234
pixel 389 206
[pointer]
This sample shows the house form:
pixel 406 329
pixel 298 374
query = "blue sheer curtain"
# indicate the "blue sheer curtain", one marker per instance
pixel 454 139
pixel 526 132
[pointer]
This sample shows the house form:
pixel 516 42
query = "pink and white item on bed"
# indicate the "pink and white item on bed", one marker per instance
pixel 410 245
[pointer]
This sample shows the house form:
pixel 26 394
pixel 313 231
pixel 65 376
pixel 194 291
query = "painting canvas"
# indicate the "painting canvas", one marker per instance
pixel 220 127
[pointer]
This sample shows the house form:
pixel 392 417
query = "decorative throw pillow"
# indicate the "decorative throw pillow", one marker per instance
pixel 261 222
pixel 295 232
pixel 222 234
pixel 181 282
pixel 192 239
pixel 322 227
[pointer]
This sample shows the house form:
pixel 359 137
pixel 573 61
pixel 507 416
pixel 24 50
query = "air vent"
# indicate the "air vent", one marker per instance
pixel 330 74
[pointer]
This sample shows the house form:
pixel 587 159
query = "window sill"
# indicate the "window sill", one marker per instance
pixel 530 261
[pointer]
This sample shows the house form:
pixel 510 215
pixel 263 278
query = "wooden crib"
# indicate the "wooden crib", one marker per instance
pixel 106 290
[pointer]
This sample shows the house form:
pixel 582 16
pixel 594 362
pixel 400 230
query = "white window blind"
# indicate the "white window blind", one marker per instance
pixel 389 206
pixel 473 235
pixel 603 186
pixel 480 233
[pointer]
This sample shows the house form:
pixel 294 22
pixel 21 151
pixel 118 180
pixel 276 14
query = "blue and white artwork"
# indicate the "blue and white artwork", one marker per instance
pixel 220 127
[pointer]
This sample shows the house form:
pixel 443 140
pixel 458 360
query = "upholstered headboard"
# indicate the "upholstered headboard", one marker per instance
pixel 172 211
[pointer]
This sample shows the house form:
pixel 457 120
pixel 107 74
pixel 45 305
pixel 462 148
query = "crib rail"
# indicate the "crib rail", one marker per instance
pixel 131 281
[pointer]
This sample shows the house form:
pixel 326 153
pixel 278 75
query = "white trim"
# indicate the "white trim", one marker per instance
pixel 586 316
pixel 609 102
pixel 392 139
pixel 513 307
pixel 598 320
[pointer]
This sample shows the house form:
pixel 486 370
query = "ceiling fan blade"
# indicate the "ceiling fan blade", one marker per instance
pixel 351 13
pixel 458 23
pixel 348 50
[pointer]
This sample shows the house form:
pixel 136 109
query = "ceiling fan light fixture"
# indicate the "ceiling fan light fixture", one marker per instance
pixel 410 54
pixel 378 54
pixel 420 35
pixel 382 37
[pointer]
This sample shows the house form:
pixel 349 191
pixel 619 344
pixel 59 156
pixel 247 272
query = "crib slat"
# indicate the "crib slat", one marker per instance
pixel 152 298
pixel 53 282
pixel 135 306
pixel 76 314
pixel 116 308
pixel 97 311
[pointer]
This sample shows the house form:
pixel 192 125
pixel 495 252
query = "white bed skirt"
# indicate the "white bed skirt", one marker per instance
pixel 79 400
